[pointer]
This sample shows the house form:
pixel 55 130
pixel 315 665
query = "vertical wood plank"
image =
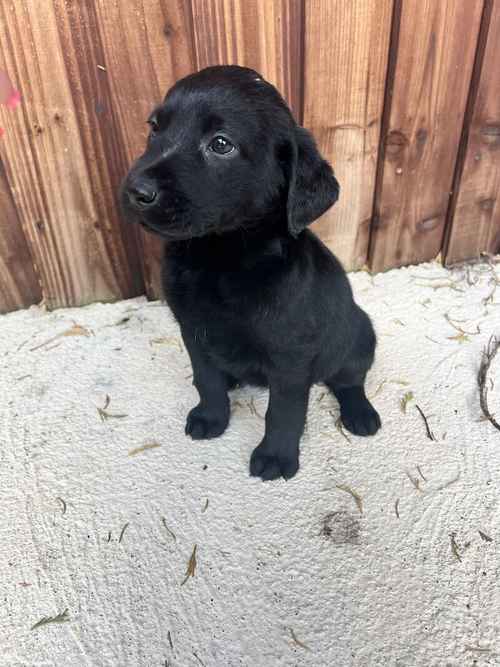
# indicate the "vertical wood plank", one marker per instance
pixel 435 55
pixel 475 223
pixel 80 257
pixel 265 35
pixel 19 286
pixel 346 50
pixel 146 47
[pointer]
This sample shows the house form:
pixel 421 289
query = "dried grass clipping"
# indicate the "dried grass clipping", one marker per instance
pixel 191 568
pixel 59 618
pixel 357 498
pixel 297 641
pixel 104 414
pixel 75 330
pixel 144 448
pixel 406 399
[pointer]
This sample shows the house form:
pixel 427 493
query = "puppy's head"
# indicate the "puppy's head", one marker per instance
pixel 225 153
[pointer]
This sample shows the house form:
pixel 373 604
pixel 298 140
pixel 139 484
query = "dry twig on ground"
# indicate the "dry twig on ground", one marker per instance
pixel 488 356
pixel 430 434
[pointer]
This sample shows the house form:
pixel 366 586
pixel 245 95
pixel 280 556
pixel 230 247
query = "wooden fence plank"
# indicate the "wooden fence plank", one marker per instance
pixel 475 226
pixel 146 47
pixel 435 55
pixel 100 136
pixel 346 50
pixel 265 35
pixel 19 286
pixel 79 258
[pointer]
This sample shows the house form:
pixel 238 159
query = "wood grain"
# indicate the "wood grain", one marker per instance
pixel 146 47
pixel 265 35
pixel 427 98
pixel 345 52
pixel 19 286
pixel 80 257
pixel 475 225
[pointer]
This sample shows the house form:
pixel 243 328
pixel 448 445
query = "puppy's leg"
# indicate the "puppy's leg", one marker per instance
pixel 210 417
pixel 357 413
pixel 278 453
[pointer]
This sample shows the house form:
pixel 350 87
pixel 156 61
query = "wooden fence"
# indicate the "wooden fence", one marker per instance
pixel 403 97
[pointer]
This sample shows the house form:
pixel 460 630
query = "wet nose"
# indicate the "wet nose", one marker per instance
pixel 142 193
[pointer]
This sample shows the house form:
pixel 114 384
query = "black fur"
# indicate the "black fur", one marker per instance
pixel 258 297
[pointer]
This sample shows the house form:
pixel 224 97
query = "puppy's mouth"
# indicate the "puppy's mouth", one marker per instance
pixel 153 229
pixel 175 225
pixel 169 234
pixel 168 228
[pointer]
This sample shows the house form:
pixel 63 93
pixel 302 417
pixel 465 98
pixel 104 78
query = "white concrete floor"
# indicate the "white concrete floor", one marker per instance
pixel 287 573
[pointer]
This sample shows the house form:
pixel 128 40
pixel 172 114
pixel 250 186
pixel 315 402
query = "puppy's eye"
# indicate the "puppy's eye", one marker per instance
pixel 221 145
pixel 153 124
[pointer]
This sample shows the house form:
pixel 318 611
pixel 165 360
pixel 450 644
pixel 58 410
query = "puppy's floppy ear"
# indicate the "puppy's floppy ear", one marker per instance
pixel 312 186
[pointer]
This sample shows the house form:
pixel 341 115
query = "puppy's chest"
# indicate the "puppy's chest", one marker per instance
pixel 226 313
pixel 211 293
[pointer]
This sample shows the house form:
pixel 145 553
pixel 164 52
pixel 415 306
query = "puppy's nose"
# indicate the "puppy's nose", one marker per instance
pixel 142 193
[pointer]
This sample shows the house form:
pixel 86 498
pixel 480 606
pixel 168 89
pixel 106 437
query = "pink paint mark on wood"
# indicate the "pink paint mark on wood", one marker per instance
pixel 9 95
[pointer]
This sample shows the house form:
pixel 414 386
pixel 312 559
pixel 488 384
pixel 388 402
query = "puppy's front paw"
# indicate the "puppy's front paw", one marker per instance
pixel 203 423
pixel 362 419
pixel 269 464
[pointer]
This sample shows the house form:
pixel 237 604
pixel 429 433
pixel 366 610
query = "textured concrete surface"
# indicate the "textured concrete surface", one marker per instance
pixel 287 573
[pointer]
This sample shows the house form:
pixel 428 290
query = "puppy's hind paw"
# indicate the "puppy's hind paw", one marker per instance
pixel 364 420
pixel 202 424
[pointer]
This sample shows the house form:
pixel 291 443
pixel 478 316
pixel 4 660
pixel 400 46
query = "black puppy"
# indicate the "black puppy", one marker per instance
pixel 231 181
